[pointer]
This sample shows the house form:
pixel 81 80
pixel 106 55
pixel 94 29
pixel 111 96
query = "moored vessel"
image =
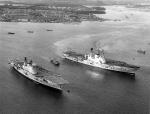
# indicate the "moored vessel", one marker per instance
pixel 38 74
pixel 97 59
pixel 11 33
pixel 55 62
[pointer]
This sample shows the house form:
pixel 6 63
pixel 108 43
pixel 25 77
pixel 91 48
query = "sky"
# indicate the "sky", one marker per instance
pixel 132 1
pixel 121 0
pixel 91 0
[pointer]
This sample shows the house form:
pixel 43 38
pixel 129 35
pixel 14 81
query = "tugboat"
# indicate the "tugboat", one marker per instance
pixel 30 31
pixel 38 74
pixel 49 30
pixel 97 59
pixel 11 33
pixel 55 62
pixel 140 51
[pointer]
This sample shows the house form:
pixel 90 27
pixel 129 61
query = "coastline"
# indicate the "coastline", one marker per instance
pixel 49 13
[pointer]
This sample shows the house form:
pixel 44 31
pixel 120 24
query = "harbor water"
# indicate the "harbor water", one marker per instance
pixel 90 90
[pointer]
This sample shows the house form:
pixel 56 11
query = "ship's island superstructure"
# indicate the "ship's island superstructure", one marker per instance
pixel 97 59
pixel 38 74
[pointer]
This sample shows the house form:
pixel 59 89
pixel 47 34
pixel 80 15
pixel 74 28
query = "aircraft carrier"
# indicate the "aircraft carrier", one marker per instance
pixel 38 74
pixel 97 59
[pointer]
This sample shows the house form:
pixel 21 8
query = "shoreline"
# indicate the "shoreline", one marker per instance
pixel 54 13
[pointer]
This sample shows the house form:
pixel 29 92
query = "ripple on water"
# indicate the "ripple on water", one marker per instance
pixel 94 75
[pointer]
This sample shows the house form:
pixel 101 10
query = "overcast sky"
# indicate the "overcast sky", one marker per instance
pixel 88 0
pixel 133 1
pixel 120 0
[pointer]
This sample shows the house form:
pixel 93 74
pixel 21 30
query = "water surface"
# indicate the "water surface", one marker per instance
pixel 92 90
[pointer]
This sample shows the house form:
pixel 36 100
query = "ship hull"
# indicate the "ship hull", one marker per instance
pixel 102 66
pixel 35 79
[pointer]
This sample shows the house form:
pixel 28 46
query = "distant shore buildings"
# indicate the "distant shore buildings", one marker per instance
pixel 55 13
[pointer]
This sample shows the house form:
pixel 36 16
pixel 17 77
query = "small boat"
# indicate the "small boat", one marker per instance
pixel 38 74
pixel 49 30
pixel 55 62
pixel 140 51
pixel 30 31
pixel 11 33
